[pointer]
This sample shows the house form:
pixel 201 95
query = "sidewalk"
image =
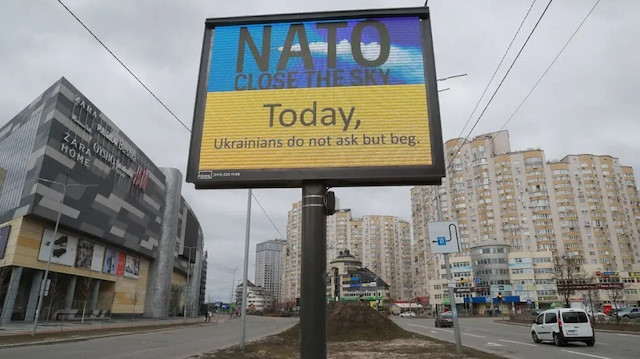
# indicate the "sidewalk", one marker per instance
pixel 22 328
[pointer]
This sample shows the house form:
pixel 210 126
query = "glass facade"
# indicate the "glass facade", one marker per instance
pixel 15 150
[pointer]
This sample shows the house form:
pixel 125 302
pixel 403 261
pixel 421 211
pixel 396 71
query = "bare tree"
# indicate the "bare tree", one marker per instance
pixel 55 293
pixel 567 271
pixel 84 287
pixel 591 292
pixel 615 294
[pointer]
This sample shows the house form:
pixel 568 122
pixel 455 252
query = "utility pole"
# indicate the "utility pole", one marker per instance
pixel 246 269
pixel 43 284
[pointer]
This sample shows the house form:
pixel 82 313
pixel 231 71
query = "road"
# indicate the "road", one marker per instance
pixel 513 341
pixel 175 343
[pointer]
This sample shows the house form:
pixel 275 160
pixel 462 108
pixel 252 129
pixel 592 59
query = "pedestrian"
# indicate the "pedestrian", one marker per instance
pixel 206 315
pixel 210 315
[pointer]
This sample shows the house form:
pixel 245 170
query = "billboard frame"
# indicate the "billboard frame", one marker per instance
pixel 330 176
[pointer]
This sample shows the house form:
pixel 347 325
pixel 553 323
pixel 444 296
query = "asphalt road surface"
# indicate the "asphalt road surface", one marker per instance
pixel 513 341
pixel 175 343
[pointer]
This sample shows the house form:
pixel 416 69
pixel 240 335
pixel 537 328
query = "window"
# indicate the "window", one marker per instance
pixel 539 319
pixel 550 318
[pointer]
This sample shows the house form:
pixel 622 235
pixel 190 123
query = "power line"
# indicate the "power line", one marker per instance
pixel 550 65
pixel 125 66
pixel 269 218
pixel 496 70
pixel 152 94
pixel 491 80
pixel 504 78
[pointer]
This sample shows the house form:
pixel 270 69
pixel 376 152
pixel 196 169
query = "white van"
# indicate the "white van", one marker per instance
pixel 563 325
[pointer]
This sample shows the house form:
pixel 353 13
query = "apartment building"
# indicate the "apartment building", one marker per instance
pixel 269 266
pixel 386 250
pixel 292 255
pixel 338 233
pixel 582 206
pixel 382 243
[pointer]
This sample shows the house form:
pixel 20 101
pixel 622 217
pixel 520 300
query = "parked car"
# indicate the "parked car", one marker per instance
pixel 407 314
pixel 613 312
pixel 596 314
pixel 444 320
pixel 563 325
pixel 630 313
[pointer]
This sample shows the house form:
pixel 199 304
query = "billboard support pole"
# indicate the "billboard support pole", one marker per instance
pixel 313 296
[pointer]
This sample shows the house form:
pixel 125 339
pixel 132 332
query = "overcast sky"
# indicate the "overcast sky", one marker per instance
pixel 588 102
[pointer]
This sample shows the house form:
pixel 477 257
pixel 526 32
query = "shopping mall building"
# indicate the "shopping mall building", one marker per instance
pixel 126 236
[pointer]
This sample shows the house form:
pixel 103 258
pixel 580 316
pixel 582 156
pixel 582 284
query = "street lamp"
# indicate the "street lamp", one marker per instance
pixel 186 299
pixel 233 281
pixel 448 78
pixel 451 77
pixel 55 232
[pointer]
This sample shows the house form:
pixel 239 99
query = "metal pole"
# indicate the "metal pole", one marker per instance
pixel 233 282
pixel 313 297
pixel 246 269
pixel 46 271
pixel 452 296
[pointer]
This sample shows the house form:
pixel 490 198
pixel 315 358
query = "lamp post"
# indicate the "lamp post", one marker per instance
pixel 233 281
pixel 64 185
pixel 451 77
pixel 448 78
pixel 187 294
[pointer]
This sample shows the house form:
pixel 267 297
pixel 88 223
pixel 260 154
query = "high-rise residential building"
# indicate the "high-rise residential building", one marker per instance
pixel 338 228
pixel 382 243
pixel 386 250
pixel 269 266
pixel 583 206
pixel 291 256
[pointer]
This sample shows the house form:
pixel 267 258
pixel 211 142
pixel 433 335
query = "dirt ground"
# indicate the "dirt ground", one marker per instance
pixel 354 331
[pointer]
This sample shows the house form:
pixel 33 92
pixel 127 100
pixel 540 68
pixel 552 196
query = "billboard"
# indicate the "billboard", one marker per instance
pixel 110 261
pixel 345 98
pixel 132 267
pixel 90 255
pixel 64 248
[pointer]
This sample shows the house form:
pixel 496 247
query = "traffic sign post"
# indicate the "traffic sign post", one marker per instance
pixel 444 239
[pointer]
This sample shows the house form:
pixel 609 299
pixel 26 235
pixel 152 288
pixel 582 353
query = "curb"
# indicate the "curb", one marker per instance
pixel 597 330
pixel 89 337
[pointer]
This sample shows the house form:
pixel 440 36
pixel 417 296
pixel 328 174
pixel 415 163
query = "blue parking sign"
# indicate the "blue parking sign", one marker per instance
pixel 442 241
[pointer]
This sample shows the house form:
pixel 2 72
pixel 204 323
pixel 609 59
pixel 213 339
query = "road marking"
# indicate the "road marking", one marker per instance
pixel 490 344
pixel 515 342
pixel 587 355
pixel 426 327
pixel 434 332
pixel 626 335
pixel 474 335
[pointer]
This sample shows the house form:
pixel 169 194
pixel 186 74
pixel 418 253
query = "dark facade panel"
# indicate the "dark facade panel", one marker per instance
pixel 65 137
